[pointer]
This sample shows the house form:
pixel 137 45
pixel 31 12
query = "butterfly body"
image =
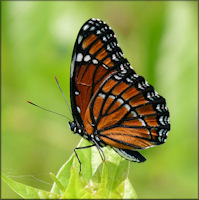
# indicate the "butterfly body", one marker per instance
pixel 111 104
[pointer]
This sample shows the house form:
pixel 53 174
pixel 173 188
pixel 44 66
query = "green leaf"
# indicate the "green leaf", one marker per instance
pixel 98 179
pixel 75 189
pixel 61 187
pixel 28 192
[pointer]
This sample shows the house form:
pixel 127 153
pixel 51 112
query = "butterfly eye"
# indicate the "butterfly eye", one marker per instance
pixel 72 126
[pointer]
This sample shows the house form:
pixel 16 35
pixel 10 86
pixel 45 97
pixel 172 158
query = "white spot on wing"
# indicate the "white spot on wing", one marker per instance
pixel 104 66
pixel 112 97
pixel 78 109
pixel 85 27
pixel 102 95
pixel 127 107
pixel 72 65
pixel 161 120
pixel 80 39
pixel 98 32
pixel 87 58
pixel 76 93
pixel 95 61
pixel 92 28
pixel 79 57
pixel 142 121
pixel 134 113
pixel 104 38
pixel 121 100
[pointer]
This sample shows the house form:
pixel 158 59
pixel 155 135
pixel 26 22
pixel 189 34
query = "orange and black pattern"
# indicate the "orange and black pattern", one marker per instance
pixel 111 104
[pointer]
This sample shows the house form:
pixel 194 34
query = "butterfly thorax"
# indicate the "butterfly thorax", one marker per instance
pixel 82 132
pixel 79 130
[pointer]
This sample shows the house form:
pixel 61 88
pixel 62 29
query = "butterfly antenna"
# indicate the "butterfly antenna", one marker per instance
pixel 63 94
pixel 48 110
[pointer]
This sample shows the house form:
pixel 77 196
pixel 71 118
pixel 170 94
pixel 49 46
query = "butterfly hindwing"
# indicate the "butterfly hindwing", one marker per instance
pixel 127 112
pixel 131 155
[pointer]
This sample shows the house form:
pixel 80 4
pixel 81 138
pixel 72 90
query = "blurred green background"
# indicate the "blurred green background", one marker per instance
pixel 160 41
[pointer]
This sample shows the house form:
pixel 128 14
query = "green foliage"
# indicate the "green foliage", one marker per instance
pixel 103 180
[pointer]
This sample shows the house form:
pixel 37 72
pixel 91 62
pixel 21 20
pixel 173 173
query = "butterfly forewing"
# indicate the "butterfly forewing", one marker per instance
pixel 96 55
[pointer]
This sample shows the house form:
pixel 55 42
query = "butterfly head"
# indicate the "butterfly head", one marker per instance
pixel 73 126
pixel 75 129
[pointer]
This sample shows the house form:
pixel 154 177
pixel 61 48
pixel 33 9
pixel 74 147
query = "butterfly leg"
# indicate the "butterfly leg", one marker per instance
pixel 100 151
pixel 78 156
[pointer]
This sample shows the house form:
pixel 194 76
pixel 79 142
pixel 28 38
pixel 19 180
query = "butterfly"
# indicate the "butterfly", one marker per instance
pixel 111 104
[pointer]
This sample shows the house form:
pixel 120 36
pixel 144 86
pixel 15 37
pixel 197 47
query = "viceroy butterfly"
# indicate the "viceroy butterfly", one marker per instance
pixel 111 104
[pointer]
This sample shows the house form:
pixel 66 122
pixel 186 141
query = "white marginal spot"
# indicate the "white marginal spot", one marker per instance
pixel 113 57
pixel 78 109
pixel 95 61
pixel 87 58
pixel 85 27
pixel 98 32
pixel 124 71
pixel 161 120
pixel 156 94
pixel 79 57
pixel 112 45
pixel 122 67
pixel 79 130
pixel 160 139
pixel 104 39
pixel 127 107
pixel 140 86
pixel 92 28
pixel 72 65
pixel 108 47
pixel 149 96
pixel 102 95
pixel 167 133
pixel 129 80
pixel 146 83
pixel 160 132
pixel 80 39
pixel 158 108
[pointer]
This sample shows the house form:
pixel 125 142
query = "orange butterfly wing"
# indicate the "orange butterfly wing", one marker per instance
pixel 95 56
pixel 127 113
